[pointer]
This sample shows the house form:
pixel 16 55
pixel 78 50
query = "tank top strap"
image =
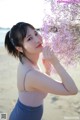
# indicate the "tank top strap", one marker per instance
pixel 25 79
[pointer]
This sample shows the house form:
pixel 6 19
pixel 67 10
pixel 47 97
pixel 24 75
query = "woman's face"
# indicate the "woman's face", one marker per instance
pixel 33 42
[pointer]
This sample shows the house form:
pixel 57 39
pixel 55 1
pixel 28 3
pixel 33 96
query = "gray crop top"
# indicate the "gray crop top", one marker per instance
pixel 29 98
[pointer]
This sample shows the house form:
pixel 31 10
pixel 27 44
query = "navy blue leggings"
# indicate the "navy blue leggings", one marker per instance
pixel 23 112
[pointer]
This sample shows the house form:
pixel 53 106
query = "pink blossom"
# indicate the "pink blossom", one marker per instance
pixel 61 32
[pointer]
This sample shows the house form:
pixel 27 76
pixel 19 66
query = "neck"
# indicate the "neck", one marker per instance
pixel 33 58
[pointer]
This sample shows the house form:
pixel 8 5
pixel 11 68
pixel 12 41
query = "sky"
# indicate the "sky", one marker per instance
pixel 13 11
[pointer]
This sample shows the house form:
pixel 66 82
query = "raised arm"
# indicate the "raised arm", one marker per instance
pixel 39 81
pixel 35 80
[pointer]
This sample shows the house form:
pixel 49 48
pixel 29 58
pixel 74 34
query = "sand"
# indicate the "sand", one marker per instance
pixel 55 107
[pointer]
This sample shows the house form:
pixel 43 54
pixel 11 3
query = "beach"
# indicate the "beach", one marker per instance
pixel 55 107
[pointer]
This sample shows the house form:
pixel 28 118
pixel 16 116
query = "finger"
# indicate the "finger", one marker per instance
pixel 45 52
pixel 49 53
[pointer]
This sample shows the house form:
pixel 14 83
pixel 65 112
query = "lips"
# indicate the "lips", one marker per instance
pixel 40 45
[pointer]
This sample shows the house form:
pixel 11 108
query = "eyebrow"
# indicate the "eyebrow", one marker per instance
pixel 28 36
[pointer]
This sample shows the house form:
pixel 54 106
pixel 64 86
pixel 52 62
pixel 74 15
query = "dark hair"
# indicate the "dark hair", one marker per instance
pixel 15 37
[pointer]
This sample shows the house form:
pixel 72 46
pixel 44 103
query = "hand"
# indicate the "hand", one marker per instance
pixel 47 66
pixel 48 54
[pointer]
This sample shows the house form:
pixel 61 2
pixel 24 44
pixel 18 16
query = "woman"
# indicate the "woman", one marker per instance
pixel 24 42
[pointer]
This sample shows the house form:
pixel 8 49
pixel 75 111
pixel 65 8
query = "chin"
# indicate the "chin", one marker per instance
pixel 41 49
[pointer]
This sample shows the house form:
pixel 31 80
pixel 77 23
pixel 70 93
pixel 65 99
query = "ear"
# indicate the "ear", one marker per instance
pixel 19 49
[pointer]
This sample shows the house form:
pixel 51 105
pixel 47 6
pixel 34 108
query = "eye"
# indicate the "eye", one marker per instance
pixel 29 39
pixel 36 33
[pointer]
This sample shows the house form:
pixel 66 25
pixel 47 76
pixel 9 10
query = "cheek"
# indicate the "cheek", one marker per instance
pixel 27 45
pixel 40 37
pixel 29 48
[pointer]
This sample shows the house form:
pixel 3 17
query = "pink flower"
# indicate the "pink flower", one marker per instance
pixel 61 32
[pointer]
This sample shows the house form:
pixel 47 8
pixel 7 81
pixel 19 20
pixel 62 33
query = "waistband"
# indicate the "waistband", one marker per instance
pixel 28 107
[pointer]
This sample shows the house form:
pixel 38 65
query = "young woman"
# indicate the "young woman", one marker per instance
pixel 24 42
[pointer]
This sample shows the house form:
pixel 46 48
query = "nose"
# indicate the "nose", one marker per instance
pixel 38 39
